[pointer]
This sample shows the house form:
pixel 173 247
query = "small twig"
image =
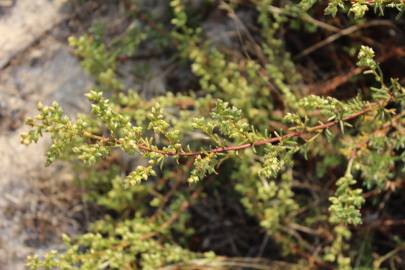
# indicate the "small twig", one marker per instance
pixel 377 263
pixel 263 245
pixel 183 207
pixel 345 32
pixel 230 263
pixel 305 17
pixel 327 87
pixel 178 176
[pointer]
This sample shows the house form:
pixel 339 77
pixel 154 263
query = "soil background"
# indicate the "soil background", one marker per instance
pixel 37 203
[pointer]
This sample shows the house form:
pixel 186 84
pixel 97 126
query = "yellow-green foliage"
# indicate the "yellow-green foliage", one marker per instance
pixel 224 132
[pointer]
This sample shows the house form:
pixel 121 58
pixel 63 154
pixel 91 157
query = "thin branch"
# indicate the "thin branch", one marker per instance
pixel 259 142
pixel 345 32
pixel 330 85
pixel 223 149
pixel 183 207
pixel 305 17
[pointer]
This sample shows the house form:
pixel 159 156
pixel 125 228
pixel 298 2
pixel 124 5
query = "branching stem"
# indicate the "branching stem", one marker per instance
pixel 223 149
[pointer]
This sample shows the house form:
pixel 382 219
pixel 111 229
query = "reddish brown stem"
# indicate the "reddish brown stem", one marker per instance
pixel 224 149
pixel 259 142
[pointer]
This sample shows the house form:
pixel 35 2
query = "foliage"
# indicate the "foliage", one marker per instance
pixel 245 135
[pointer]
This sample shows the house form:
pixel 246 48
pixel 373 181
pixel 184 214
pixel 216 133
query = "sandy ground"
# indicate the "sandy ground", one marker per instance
pixel 35 64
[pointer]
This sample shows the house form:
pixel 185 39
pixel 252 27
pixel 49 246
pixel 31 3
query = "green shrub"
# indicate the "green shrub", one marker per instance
pixel 299 164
